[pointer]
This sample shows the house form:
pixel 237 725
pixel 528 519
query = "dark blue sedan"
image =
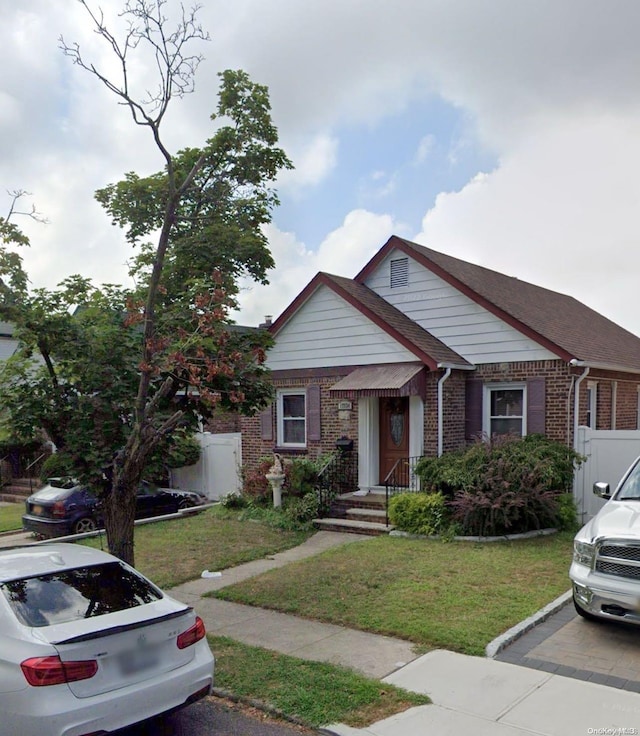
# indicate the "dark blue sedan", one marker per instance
pixel 64 507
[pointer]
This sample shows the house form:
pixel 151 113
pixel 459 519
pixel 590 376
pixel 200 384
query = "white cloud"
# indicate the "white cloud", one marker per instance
pixel 552 88
pixel 313 161
pixel 558 212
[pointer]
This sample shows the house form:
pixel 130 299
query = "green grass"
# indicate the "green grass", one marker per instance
pixel 456 596
pixel 172 552
pixel 11 517
pixel 316 693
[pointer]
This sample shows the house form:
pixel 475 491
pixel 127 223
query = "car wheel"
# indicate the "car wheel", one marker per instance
pixel 186 503
pixel 86 524
pixel 581 612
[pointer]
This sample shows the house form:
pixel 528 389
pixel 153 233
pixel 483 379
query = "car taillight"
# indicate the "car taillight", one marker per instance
pixel 40 671
pixel 192 635
pixel 59 509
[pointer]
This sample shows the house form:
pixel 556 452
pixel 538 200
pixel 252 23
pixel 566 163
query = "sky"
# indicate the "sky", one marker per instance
pixel 502 132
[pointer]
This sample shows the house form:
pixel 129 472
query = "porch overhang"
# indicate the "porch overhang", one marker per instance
pixel 395 379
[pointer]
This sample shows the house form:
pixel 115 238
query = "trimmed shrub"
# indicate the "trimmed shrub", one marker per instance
pixel 506 485
pixel 254 482
pixel 419 513
pixel 302 509
pixel 300 475
pixel 499 510
pixel 523 462
pixel 567 513
pixel 57 465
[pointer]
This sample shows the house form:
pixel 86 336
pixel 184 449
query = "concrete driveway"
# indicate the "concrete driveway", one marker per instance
pixel 565 644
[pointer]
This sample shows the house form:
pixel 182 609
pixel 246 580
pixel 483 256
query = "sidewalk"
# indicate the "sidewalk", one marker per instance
pixel 471 695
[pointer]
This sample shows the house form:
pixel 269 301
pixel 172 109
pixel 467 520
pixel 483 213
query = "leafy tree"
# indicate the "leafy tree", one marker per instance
pixel 119 371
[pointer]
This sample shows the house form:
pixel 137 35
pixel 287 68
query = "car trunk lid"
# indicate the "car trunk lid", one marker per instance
pixel 129 646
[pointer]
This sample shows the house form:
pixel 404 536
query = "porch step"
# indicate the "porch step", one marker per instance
pixel 344 503
pixel 375 515
pixel 12 498
pixel 21 488
pixel 352 525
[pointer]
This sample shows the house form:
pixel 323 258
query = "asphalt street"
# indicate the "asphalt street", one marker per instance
pixel 214 717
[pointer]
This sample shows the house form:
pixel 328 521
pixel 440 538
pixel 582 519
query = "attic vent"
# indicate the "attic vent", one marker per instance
pixel 399 272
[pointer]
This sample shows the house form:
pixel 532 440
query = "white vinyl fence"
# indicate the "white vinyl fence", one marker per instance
pixel 217 473
pixel 609 453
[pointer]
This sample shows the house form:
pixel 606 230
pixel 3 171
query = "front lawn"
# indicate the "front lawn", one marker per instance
pixel 456 595
pixel 11 517
pixel 314 692
pixel 172 552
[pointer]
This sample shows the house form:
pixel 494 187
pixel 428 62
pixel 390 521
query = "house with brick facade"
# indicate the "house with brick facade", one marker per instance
pixel 422 352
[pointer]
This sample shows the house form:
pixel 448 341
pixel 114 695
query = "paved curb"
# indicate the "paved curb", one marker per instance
pixel 494 647
pixel 503 538
pixel 270 710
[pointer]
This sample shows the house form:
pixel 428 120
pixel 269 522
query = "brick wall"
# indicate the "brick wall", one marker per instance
pixel 223 423
pixel 559 404
pixel 335 423
pixel 557 386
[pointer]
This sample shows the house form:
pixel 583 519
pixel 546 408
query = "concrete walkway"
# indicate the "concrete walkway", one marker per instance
pixel 471 695
pixel 373 655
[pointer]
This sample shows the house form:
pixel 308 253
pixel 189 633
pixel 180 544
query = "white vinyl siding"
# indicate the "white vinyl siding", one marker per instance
pixel 451 316
pixel 327 331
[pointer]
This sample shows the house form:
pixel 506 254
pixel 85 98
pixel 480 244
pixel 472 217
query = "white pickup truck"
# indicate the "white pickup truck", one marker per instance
pixel 605 571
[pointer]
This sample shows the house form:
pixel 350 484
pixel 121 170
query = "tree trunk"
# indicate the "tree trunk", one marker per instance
pixel 119 515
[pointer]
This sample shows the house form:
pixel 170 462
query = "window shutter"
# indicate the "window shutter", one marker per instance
pixel 313 413
pixel 473 408
pixel 536 395
pixel 266 424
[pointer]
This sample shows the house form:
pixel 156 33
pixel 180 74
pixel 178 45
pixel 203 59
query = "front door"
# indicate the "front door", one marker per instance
pixel 394 433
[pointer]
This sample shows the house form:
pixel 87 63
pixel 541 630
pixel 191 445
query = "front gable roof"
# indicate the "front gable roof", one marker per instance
pixel 556 321
pixel 427 348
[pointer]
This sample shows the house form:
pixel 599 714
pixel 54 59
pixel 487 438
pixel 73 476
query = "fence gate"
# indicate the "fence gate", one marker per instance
pixel 217 472
pixel 609 453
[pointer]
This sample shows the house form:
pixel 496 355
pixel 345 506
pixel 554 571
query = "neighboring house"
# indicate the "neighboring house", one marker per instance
pixel 421 352
pixel 8 344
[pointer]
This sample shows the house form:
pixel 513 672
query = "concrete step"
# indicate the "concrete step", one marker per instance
pixel 12 498
pixel 375 515
pixel 22 490
pixel 352 525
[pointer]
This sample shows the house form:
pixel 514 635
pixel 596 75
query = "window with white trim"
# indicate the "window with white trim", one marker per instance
pixel 505 409
pixel 292 420
pixel 592 403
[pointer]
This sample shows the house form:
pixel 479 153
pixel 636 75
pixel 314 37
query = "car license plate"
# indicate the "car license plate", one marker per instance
pixel 137 660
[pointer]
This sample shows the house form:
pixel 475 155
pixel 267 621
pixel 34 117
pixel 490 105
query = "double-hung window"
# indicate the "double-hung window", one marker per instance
pixel 292 422
pixel 505 409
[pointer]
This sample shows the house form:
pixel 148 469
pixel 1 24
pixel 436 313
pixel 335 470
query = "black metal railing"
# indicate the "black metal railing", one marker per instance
pixel 338 475
pixel 401 478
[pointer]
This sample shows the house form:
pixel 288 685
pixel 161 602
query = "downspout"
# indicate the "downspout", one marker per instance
pixel 441 381
pixel 576 399
pixel 576 411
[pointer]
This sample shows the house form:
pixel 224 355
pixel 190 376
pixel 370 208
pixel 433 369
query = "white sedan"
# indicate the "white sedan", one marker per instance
pixel 88 645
